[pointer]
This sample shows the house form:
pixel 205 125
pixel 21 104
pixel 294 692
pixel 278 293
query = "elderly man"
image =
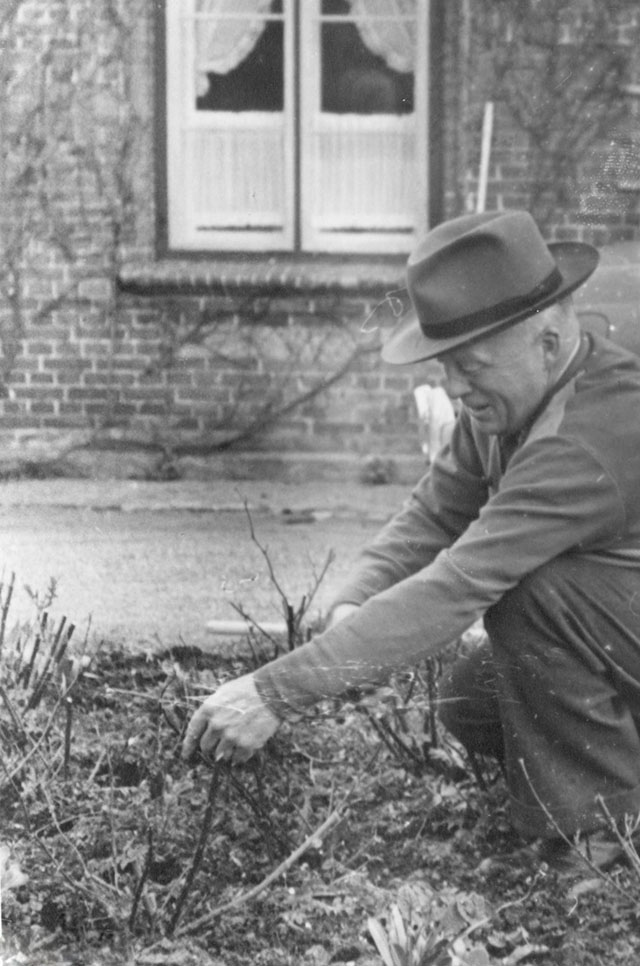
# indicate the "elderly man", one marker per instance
pixel 529 518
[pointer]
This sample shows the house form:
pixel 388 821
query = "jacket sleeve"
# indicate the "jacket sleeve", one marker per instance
pixel 441 507
pixel 555 497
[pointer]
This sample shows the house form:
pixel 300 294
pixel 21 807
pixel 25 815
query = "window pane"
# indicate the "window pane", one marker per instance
pixel 367 57
pixel 364 139
pixel 230 175
pixel 240 58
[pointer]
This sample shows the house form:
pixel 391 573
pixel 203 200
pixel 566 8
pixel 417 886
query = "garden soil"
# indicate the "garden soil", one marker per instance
pixel 360 826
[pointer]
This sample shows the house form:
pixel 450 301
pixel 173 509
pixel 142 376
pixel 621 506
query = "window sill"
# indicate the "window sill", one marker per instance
pixel 272 275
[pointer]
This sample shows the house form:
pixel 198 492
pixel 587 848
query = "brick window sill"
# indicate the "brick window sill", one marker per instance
pixel 263 276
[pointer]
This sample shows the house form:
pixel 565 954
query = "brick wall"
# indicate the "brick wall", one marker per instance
pixel 228 384
pixel 600 202
pixel 101 344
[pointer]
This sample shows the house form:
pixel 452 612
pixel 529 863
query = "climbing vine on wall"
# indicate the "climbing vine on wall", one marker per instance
pixel 557 72
pixel 71 118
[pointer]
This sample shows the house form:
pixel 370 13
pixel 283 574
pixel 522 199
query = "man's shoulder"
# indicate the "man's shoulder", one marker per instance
pixel 610 379
pixel 606 357
pixel 602 408
pixel 599 407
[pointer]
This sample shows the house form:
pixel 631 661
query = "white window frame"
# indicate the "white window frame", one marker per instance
pixel 296 226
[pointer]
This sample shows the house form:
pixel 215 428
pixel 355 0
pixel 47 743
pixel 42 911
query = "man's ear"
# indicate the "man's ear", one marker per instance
pixel 551 346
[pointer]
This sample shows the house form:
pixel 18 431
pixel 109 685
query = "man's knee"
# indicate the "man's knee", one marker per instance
pixel 468 705
pixel 531 604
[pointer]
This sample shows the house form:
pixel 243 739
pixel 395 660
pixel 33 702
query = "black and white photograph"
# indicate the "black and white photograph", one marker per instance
pixel 319 483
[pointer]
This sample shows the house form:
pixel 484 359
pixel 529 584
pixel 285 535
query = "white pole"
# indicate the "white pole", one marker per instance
pixel 238 628
pixel 485 153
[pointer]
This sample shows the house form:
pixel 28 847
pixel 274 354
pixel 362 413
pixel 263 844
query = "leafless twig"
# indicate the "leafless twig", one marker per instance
pixel 6 603
pixel 144 874
pixel 311 841
pixel 293 616
pixel 565 838
pixel 626 843
pixel 205 828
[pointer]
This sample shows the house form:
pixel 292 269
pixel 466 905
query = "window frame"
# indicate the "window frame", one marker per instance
pixel 298 238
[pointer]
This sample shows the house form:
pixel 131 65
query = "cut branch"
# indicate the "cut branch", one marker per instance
pixel 312 841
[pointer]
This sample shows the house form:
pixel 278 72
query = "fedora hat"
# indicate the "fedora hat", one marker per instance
pixel 479 273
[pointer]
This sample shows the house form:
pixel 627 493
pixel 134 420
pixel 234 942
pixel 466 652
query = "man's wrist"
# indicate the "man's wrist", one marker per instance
pixel 276 704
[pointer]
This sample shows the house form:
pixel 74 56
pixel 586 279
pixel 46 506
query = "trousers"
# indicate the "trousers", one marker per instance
pixel 554 693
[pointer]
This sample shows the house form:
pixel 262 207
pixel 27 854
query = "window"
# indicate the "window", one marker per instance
pixel 296 125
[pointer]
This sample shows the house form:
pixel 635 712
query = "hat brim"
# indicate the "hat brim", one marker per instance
pixel 576 262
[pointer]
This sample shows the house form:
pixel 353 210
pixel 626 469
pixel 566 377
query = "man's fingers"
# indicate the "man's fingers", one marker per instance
pixel 232 750
pixel 189 749
pixel 204 735
pixel 230 724
pixel 210 740
pixel 191 743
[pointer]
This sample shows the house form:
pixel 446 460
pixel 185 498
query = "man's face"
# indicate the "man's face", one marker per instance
pixel 500 380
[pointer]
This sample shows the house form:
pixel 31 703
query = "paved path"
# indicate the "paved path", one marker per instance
pixel 341 498
pixel 149 564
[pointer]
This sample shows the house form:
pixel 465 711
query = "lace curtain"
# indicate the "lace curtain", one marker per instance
pixel 224 42
pixel 390 39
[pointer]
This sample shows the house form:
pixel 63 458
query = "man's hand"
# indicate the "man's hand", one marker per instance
pixel 232 723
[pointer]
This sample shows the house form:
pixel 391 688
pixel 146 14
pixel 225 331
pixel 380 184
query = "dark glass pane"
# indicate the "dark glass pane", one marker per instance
pixel 257 84
pixel 335 7
pixel 354 79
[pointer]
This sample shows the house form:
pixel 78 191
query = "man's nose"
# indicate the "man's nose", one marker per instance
pixel 456 385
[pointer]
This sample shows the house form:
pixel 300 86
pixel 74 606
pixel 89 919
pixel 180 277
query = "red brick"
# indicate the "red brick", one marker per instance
pixel 398 383
pixel 94 393
pixel 37 392
pixel 41 378
pixel 118 364
pixel 71 364
pixel 41 408
pixel 34 347
pixel 149 409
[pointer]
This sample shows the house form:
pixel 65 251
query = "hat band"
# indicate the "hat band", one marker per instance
pixel 495 313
